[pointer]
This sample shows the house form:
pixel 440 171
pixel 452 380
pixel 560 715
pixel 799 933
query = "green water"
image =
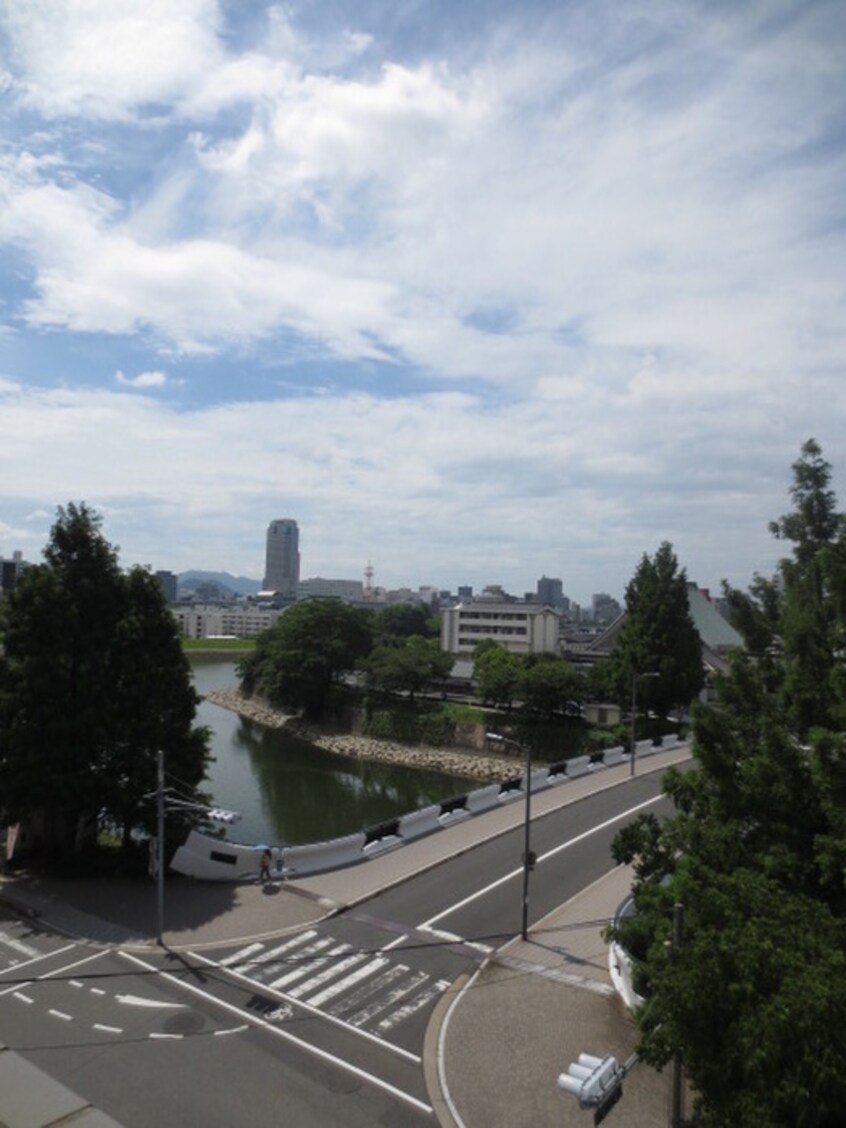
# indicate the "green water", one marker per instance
pixel 288 791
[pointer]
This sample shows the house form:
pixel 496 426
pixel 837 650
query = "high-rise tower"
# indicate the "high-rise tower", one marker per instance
pixel 282 562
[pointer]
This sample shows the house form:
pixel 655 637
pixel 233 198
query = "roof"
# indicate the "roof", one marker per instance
pixel 716 633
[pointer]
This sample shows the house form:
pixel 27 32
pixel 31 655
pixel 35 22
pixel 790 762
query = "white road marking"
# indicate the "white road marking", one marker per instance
pixel 286 1036
pixel 308 1006
pixel 242 954
pixel 325 976
pixel 393 943
pixel 97 991
pixel 17 945
pixel 309 964
pixel 362 973
pixel 61 1015
pixel 273 952
pixel 70 967
pixel 420 1000
pixel 44 956
pixel 231 1030
pixel 138 1001
pixel 427 925
pixel 21 997
pixel 390 998
pixel 108 1029
pixel 167 1037
pixel 75 983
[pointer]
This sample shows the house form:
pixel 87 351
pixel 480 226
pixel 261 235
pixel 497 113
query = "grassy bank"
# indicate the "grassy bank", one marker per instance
pixel 218 645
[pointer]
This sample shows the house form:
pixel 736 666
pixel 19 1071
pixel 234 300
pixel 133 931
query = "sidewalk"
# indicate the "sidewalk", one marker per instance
pixel 508 1032
pixel 496 1043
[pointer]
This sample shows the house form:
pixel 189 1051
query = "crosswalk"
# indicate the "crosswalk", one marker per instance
pixel 369 990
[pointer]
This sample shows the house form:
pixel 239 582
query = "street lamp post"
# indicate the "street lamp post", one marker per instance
pixel 635 678
pixel 528 856
pixel 165 802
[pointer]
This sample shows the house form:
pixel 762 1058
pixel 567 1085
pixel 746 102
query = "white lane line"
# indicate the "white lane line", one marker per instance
pixel 542 858
pixel 70 967
pixel 45 956
pixel 60 1014
pixel 75 983
pixel 108 1029
pixel 97 991
pixel 231 1030
pixel 17 945
pixel 393 943
pixel 21 997
pixel 167 1037
pixel 308 1006
pixel 292 1039
pixel 138 1001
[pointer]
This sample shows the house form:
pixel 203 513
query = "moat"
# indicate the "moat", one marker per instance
pixel 289 791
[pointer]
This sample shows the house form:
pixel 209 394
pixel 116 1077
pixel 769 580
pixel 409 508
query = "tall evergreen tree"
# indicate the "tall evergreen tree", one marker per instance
pixel 658 636
pixel 92 682
pixel 754 997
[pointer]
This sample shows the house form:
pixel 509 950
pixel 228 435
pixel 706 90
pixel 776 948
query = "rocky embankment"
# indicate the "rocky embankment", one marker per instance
pixel 465 762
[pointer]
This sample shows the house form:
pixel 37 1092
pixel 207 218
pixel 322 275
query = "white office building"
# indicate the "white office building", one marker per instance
pixel 521 628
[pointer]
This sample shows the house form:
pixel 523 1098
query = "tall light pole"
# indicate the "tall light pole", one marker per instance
pixel 528 856
pixel 160 852
pixel 635 677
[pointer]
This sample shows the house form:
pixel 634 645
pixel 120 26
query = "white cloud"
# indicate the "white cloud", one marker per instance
pixel 142 380
pixel 105 58
pixel 623 230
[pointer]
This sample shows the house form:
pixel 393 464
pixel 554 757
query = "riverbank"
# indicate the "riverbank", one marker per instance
pixel 466 762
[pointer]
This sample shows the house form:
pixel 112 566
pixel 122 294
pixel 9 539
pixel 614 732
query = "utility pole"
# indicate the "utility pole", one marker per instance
pixel 528 856
pixel 160 811
pixel 677 1111
pixel 633 737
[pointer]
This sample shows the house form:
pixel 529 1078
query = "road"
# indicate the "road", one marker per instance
pixel 322 1027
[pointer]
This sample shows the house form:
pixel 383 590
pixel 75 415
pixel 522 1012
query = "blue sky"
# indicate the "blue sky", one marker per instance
pixel 477 292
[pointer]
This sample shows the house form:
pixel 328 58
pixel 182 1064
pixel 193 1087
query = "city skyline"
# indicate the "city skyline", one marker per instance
pixel 476 292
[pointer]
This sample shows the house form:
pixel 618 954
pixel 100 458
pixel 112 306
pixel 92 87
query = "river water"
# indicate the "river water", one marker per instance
pixel 289 791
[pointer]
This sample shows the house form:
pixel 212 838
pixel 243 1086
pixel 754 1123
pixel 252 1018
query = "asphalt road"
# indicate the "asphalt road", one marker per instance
pixel 325 1027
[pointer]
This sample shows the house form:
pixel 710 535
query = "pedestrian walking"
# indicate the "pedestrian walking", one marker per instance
pixel 264 872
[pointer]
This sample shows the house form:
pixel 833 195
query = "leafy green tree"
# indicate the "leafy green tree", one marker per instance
pixel 497 674
pixel 658 636
pixel 308 651
pixel 403 620
pixel 92 683
pixel 753 997
pixel 548 685
pixel 154 707
pixel 408 667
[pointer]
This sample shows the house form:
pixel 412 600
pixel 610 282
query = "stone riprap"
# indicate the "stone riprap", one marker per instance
pixel 464 762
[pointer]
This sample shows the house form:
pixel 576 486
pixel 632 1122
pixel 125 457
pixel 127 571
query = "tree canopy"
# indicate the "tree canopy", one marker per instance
pixel 93 682
pixel 658 636
pixel 409 665
pixel 753 998
pixel 306 654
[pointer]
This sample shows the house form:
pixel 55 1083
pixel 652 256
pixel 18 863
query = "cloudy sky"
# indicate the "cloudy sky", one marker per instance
pixel 476 291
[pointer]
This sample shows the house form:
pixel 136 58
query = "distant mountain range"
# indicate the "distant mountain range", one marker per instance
pixel 225 581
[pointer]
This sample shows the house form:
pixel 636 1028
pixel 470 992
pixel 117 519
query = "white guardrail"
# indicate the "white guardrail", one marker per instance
pixel 215 859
